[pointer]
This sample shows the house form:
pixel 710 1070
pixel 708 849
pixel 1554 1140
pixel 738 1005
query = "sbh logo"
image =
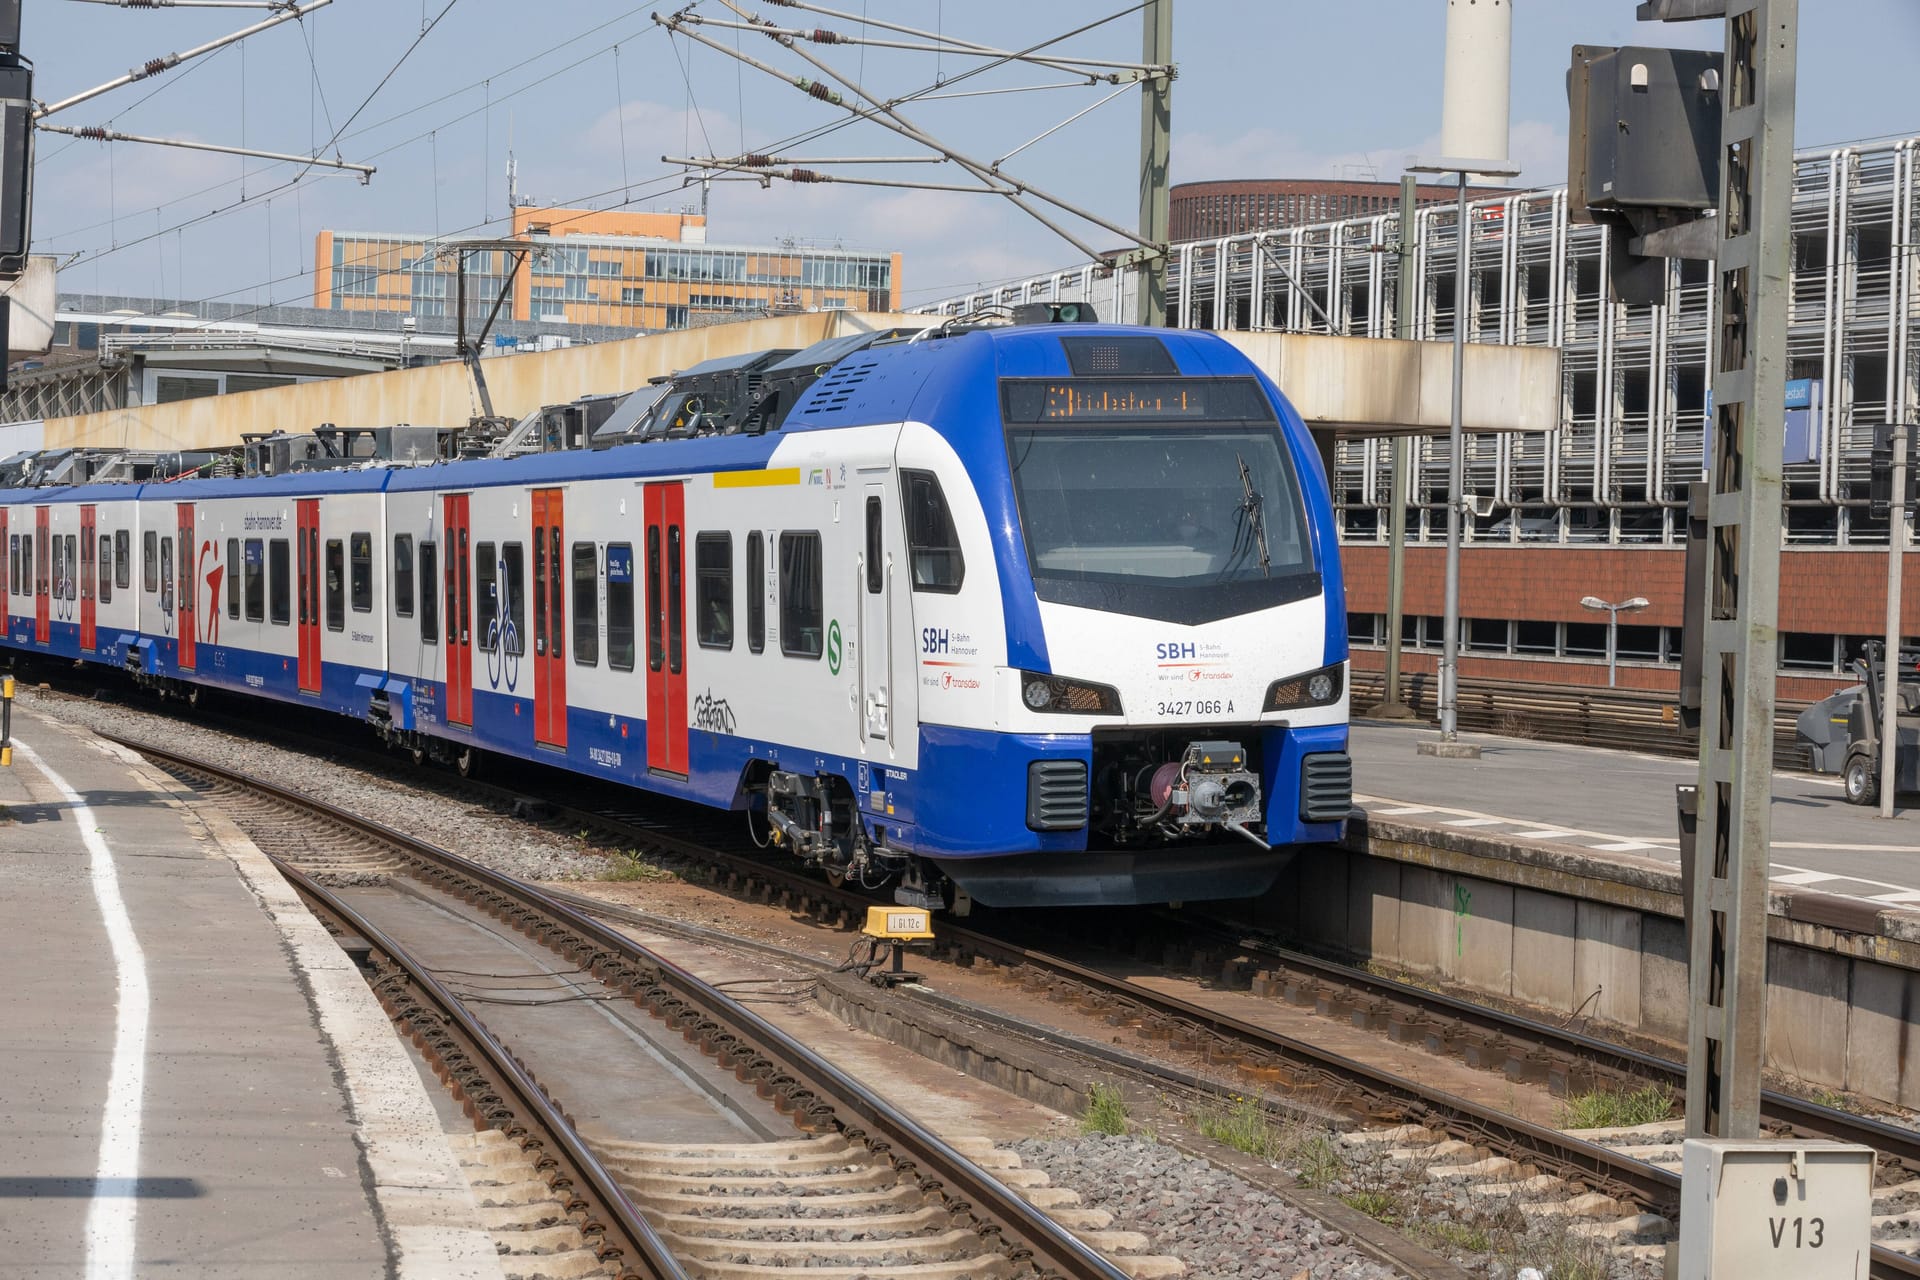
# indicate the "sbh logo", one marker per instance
pixel 1174 652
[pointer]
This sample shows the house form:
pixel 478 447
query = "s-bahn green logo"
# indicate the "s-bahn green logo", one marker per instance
pixel 833 646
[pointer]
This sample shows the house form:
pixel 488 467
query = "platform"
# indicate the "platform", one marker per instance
pixel 198 1081
pixel 1623 802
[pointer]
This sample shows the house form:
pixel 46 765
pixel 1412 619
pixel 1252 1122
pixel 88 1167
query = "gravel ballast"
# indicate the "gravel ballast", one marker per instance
pixel 472 831
pixel 1220 1225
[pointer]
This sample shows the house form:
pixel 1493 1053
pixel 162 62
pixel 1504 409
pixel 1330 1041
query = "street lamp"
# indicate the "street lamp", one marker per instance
pixel 1613 626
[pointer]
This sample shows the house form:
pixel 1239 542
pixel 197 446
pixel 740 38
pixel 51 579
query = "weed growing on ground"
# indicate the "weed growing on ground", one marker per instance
pixel 1246 1126
pixel 1553 1249
pixel 1833 1098
pixel 1106 1110
pixel 1615 1108
pixel 630 866
pixel 1381 1206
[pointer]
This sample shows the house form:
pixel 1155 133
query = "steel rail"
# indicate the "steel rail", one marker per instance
pixel 611 1212
pixel 805 1081
pixel 1657 1187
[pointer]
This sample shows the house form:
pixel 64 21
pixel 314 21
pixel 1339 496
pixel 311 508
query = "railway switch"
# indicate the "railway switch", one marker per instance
pixel 899 928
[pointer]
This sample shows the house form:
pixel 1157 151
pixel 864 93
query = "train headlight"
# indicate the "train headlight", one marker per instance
pixel 1070 697
pixel 1308 689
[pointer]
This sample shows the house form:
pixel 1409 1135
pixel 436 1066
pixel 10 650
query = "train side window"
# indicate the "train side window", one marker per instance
pixel 756 592
pixel 362 564
pixel 105 593
pixel 280 582
pixel 403 575
pixel 166 575
pixel 486 573
pixel 13 565
pixel 254 563
pixel 26 565
pixel 59 565
pixel 586 604
pixel 620 606
pixel 932 545
pixel 233 577
pixel 122 558
pixel 713 589
pixel 802 615
pixel 336 571
pixel 513 593
pixel 429 598
pixel 876 549
pixel 73 565
pixel 150 561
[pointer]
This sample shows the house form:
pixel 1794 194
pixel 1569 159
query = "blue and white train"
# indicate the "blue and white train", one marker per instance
pixel 1019 614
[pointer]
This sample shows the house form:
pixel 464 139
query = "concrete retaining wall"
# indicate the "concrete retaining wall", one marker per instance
pixel 1602 936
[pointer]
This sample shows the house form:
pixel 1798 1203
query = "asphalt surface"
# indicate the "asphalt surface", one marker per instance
pixel 1622 802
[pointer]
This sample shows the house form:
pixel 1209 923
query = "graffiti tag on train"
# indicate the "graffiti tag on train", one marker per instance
pixel 713 714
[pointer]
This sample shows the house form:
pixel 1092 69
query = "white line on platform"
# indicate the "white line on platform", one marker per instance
pixel 1548 833
pixel 1624 846
pixel 1902 897
pixel 1403 812
pixel 1472 822
pixel 1806 877
pixel 110 1237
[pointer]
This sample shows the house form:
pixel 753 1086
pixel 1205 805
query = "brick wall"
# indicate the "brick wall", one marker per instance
pixel 1824 591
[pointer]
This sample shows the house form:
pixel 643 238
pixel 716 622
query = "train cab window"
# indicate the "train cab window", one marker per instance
pixel 254 569
pixel 513 594
pixel 586 604
pixel 336 578
pixel 756 592
pixel 122 558
pixel 362 565
pixel 802 615
pixel 713 589
pixel 876 549
pixel 280 582
pixel 486 573
pixel 150 561
pixel 233 577
pixel 933 547
pixel 429 599
pixel 620 606
pixel 166 575
pixel 105 592
pixel 403 575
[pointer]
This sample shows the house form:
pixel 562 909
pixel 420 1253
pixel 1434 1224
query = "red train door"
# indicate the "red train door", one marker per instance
pixel 89 581
pixel 307 538
pixel 665 558
pixel 459 612
pixel 42 577
pixel 549 619
pixel 185 602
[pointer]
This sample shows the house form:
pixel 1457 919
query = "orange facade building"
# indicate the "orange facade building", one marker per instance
pixel 651 271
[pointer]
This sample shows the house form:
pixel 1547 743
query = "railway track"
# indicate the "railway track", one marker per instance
pixel 1615 1180
pixel 863 1186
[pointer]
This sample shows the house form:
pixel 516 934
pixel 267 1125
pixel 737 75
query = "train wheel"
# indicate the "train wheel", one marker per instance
pixel 418 755
pixel 837 877
pixel 192 697
pixel 467 761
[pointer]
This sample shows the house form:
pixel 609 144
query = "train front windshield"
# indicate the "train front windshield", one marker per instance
pixel 1168 486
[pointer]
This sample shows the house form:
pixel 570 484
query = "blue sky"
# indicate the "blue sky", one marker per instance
pixel 592 94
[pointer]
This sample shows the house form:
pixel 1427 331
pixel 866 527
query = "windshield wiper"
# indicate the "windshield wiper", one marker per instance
pixel 1251 504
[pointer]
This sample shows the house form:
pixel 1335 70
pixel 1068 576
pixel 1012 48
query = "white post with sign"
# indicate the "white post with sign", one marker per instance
pixel 1775 1210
